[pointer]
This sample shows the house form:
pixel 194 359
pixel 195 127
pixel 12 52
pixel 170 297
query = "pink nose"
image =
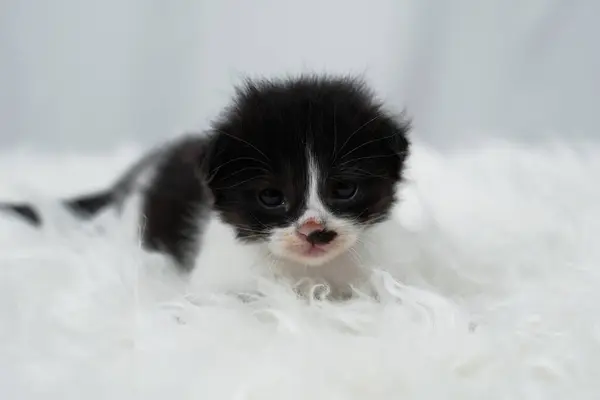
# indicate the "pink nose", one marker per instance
pixel 309 227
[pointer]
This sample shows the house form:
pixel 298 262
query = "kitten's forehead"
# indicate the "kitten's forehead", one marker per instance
pixel 282 118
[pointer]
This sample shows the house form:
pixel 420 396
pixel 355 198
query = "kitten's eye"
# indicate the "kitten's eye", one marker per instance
pixel 343 190
pixel 271 198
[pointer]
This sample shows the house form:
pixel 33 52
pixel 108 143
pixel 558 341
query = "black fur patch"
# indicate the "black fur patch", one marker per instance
pixel 84 207
pixel 176 202
pixel 25 211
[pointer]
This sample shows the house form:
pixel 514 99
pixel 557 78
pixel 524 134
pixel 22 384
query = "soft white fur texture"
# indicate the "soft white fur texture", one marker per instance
pixel 496 295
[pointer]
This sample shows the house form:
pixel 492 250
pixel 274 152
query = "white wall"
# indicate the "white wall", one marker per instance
pixel 95 74
pixel 520 68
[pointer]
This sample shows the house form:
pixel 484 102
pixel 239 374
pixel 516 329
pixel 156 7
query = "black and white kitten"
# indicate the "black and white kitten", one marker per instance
pixel 299 171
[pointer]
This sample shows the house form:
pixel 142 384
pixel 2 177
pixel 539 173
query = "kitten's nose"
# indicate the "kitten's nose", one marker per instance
pixel 321 237
pixel 315 233
pixel 310 226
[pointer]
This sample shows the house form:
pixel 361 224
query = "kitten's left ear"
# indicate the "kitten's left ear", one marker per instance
pixel 400 140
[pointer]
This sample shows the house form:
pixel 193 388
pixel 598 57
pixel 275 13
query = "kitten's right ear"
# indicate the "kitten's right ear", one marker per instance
pixel 401 140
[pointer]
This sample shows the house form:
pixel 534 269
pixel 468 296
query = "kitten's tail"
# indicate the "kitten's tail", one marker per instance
pixel 85 206
pixel 88 205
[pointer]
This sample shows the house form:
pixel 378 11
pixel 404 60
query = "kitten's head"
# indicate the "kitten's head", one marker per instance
pixel 305 165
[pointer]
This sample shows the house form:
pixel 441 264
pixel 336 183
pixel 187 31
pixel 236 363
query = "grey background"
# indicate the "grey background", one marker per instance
pixel 92 75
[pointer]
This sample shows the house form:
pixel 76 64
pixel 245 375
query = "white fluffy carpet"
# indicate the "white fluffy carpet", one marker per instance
pixel 500 297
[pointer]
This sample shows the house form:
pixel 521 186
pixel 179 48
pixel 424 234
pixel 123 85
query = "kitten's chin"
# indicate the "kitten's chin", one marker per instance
pixel 312 256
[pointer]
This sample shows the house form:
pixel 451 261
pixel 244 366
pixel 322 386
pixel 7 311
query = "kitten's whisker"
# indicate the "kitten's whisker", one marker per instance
pixel 250 233
pixel 356 131
pixel 217 169
pixel 366 143
pixel 378 218
pixel 243 158
pixel 355 256
pixel 365 173
pixel 239 171
pixel 245 229
pixel 355 172
pixel 259 221
pixel 237 184
pixel 251 237
pixel 365 158
pixel 243 141
pixel 366 246
pixel 356 219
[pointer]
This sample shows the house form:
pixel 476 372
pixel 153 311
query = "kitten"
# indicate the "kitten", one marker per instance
pixel 300 170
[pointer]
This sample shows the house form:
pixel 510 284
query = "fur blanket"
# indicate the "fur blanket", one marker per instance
pixel 497 296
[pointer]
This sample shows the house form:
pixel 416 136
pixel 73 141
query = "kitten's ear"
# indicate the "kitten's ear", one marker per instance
pixel 401 142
